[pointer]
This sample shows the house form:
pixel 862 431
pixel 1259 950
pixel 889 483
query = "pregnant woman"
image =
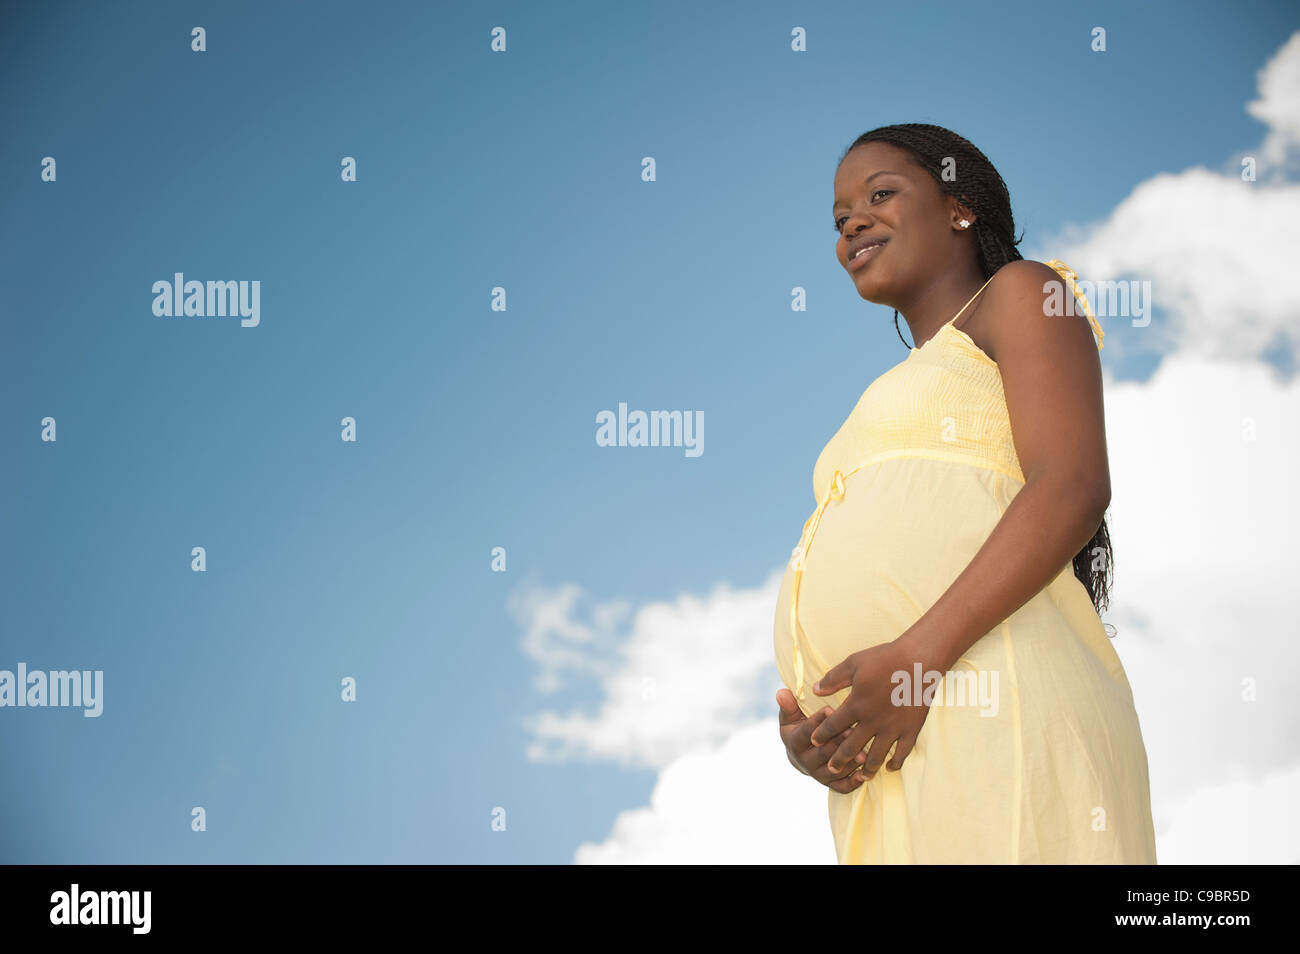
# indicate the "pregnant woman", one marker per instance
pixel 947 674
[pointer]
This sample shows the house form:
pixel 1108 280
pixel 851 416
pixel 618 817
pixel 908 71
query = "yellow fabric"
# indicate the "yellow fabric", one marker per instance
pixel 907 492
pixel 1069 274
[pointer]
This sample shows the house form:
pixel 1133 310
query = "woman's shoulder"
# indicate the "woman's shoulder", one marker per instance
pixel 1017 291
pixel 1022 275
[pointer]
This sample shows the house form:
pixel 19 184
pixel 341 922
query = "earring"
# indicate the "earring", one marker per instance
pixel 964 224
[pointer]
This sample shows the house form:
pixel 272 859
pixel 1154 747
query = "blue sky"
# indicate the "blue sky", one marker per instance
pixel 475 427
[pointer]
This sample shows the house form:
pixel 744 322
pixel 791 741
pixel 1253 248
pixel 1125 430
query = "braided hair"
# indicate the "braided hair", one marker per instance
pixel 980 188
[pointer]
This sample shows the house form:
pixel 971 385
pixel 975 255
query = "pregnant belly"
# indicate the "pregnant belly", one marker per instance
pixel 881 556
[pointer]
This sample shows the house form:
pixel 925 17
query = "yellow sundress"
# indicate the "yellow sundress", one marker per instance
pixel 1048 765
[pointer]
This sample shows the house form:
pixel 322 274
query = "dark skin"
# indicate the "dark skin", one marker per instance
pixel 1051 377
pixel 806 757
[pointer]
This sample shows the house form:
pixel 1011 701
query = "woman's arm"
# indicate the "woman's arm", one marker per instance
pixel 1047 523
pixel 1052 381
pixel 1051 376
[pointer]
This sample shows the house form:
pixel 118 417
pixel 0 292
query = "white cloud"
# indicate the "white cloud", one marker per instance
pixel 738 803
pixel 1237 822
pixel 1278 105
pixel 654 708
pixel 1218 253
pixel 559 643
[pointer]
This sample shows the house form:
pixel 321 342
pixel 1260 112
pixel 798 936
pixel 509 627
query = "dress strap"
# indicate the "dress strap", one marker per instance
pixel 1069 274
pixel 967 305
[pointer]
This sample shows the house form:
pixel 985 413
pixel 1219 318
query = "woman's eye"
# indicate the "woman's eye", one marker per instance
pixel 839 223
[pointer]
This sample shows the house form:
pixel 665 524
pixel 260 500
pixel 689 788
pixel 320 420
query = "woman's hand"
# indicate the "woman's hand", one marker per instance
pixel 870 711
pixel 803 755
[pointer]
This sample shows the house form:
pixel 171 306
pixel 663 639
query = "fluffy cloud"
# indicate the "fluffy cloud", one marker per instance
pixel 737 803
pixel 654 709
pixel 1235 823
pixel 560 644
pixel 1278 105
pixel 1217 252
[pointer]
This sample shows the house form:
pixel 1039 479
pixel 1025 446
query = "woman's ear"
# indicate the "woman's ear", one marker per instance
pixel 960 211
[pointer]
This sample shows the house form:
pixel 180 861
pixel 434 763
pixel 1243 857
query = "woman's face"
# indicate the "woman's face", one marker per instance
pixel 882 197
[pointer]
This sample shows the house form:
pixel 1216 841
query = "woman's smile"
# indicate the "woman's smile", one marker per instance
pixel 860 258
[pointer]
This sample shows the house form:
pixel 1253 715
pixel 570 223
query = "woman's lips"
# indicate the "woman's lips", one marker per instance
pixel 871 252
